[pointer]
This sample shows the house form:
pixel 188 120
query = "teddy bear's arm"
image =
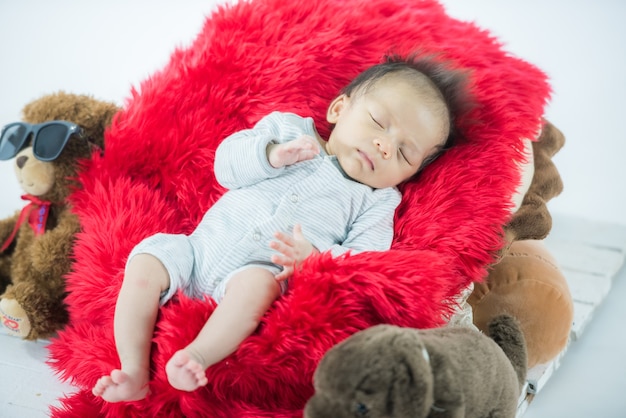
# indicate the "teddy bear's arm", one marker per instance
pixel 38 287
pixel 6 227
pixel 50 253
pixel 42 262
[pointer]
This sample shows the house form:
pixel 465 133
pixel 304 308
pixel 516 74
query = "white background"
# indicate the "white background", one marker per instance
pixel 103 48
pixel 581 45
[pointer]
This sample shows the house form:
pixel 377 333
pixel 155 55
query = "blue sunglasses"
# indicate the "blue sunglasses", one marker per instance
pixel 49 138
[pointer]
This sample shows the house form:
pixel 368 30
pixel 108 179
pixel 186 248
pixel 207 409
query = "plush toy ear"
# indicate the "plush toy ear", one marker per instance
pixel 412 390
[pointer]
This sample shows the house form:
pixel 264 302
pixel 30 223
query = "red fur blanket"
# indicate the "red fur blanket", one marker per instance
pixel 289 55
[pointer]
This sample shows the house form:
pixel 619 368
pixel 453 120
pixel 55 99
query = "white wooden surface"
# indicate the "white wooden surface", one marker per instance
pixel 27 385
pixel 589 253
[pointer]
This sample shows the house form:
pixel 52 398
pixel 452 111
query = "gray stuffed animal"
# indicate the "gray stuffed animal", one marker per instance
pixel 389 371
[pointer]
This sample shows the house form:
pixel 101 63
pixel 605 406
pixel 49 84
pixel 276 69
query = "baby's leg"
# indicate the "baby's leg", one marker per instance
pixel 248 295
pixel 135 315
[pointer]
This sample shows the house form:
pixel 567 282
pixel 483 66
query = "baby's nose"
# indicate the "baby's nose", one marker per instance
pixel 383 146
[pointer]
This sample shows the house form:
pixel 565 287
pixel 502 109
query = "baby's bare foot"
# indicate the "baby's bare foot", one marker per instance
pixel 185 372
pixel 120 386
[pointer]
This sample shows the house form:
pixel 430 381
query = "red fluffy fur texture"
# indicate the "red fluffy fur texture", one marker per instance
pixel 156 175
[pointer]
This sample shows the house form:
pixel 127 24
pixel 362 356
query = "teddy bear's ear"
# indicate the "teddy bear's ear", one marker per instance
pixel 99 118
pixel 92 115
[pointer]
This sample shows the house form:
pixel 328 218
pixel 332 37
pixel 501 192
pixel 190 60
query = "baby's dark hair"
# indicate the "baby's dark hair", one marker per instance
pixel 445 88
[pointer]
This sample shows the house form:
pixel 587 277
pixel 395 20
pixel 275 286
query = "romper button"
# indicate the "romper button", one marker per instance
pixel 294 198
pixel 256 236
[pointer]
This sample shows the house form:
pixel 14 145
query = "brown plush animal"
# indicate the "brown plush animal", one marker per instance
pixel 389 371
pixel 533 220
pixel 37 241
pixel 527 282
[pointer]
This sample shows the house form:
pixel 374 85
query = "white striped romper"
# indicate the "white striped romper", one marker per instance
pixel 337 214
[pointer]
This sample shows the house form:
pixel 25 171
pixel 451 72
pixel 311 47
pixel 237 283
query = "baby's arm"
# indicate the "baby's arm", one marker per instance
pixel 292 250
pixel 301 149
pixel 242 159
pixel 373 229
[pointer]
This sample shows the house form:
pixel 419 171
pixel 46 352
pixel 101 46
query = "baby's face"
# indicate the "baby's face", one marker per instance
pixel 382 136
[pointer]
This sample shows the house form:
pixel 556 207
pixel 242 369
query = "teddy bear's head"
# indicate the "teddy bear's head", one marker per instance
pixel 87 117
pixel 375 373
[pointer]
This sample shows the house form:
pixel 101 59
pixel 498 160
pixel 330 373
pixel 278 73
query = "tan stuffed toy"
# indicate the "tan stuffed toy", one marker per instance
pixel 36 242
pixel 527 282
pixel 389 371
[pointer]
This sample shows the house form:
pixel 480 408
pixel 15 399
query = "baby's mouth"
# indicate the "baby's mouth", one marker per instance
pixel 367 159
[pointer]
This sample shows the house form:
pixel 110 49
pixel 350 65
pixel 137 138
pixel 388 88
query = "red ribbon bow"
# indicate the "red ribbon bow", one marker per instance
pixel 37 214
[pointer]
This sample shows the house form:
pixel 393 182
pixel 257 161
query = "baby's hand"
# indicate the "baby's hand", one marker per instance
pixel 301 149
pixel 293 251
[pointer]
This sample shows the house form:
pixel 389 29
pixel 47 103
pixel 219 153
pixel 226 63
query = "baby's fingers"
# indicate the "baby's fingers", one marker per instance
pixel 284 238
pixel 283 260
pixel 307 147
pixel 308 142
pixel 297 232
pixel 287 264
pixel 284 249
pixel 284 275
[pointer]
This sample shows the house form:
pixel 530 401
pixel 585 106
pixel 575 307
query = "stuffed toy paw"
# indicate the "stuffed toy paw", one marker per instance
pixel 390 371
pixel 58 131
pixel 533 220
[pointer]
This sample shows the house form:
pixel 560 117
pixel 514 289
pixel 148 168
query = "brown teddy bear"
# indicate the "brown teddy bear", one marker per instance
pixel 389 371
pixel 527 282
pixel 36 242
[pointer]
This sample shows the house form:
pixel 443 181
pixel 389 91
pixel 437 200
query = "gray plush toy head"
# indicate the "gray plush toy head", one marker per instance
pixel 389 371
pixel 390 381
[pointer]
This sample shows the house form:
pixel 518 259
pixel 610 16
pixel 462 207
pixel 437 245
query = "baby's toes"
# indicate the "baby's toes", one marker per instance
pixel 101 385
pixel 201 379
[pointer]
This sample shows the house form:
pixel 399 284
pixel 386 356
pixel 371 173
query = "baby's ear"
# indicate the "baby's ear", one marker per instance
pixel 335 108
